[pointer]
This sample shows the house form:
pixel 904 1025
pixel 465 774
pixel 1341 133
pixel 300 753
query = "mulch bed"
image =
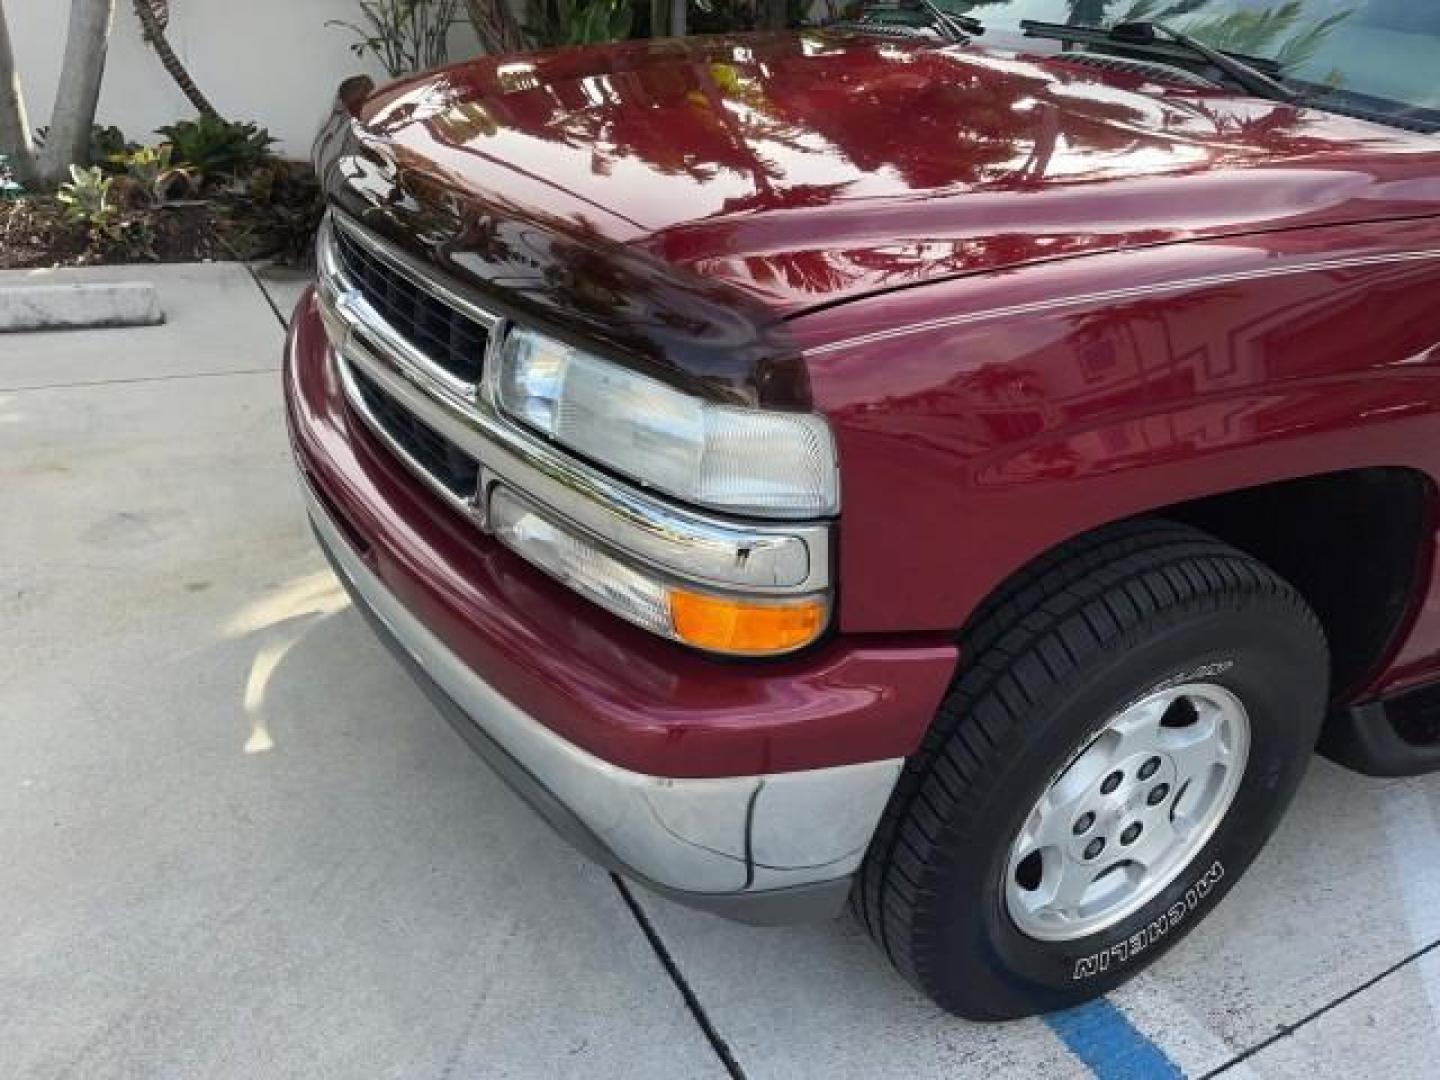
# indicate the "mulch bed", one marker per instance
pixel 34 233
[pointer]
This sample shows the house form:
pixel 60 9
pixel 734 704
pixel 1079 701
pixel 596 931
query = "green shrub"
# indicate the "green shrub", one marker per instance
pixel 212 146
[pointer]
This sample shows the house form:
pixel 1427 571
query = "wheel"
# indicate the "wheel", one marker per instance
pixel 1131 718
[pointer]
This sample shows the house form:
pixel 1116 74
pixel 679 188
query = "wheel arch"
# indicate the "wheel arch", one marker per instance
pixel 1357 544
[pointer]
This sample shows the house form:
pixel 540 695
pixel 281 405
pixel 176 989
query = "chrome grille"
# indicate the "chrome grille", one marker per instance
pixel 440 459
pixel 449 338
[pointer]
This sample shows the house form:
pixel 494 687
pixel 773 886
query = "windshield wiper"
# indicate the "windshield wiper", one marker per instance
pixel 959 27
pixel 1252 73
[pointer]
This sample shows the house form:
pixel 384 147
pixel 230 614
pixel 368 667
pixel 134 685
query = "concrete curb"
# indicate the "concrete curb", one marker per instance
pixel 78 307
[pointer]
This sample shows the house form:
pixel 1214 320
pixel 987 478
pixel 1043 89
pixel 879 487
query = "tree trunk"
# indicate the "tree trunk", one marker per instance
pixel 154 29
pixel 79 93
pixel 496 26
pixel 16 141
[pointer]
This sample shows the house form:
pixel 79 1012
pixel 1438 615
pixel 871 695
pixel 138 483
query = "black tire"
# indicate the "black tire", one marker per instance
pixel 1061 648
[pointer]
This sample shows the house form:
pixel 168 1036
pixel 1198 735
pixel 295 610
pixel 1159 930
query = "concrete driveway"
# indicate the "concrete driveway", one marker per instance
pixel 236 842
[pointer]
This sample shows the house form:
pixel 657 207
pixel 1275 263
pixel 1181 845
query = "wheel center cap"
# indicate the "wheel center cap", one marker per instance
pixel 1133 804
pixel 1122 807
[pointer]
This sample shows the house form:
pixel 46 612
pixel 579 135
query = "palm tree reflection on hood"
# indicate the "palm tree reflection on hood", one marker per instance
pixel 804 126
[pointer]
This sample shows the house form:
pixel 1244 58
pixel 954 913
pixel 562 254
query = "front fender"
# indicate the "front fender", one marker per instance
pixel 985 420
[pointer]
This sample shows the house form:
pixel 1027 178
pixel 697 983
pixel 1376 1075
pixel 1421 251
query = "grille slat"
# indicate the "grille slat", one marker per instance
pixel 444 462
pixel 448 337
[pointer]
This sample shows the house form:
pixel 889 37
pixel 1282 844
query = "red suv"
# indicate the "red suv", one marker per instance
pixel 959 467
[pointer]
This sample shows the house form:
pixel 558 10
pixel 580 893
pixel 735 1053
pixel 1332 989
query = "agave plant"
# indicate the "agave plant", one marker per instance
pixel 86 197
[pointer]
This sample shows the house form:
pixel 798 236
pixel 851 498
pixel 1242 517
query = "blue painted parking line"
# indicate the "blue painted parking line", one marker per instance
pixel 1111 1046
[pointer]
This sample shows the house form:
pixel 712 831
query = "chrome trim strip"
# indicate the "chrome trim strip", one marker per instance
pixel 1040 306
pixel 732 834
pixel 781 558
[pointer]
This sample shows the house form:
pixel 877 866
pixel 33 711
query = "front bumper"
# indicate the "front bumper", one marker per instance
pixel 565 701
pixel 671 835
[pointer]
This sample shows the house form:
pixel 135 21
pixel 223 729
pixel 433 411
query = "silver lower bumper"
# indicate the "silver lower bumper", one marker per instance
pixel 728 844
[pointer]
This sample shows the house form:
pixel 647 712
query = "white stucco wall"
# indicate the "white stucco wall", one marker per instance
pixel 271 61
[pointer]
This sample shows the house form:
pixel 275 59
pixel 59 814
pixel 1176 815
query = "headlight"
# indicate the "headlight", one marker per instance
pixel 715 622
pixel 746 460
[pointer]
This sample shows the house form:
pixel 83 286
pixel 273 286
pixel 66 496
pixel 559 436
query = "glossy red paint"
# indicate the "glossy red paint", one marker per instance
pixel 616 691
pixel 1031 297
pixel 990 418
pixel 815 168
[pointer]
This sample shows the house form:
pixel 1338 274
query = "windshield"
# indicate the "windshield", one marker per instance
pixel 1379 56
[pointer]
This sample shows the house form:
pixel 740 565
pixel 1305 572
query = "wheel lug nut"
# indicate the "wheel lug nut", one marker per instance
pixel 1131 833
pixel 1150 768
pixel 1095 847
pixel 1158 794
pixel 1083 823
pixel 1112 782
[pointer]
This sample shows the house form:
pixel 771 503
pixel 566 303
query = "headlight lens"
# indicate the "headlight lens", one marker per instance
pixel 746 460
pixel 711 621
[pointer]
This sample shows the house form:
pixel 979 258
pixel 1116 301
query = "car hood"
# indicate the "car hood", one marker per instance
pixel 805 169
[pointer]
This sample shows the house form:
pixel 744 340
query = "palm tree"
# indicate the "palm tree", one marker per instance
pixel 82 70
pixel 154 16
pixel 16 142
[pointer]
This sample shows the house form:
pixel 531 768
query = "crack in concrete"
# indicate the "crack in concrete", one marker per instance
pixel 269 300
pixel 89 384
pixel 1286 1030
pixel 692 1002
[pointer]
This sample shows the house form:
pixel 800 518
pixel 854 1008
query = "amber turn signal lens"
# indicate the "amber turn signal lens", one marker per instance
pixel 746 628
